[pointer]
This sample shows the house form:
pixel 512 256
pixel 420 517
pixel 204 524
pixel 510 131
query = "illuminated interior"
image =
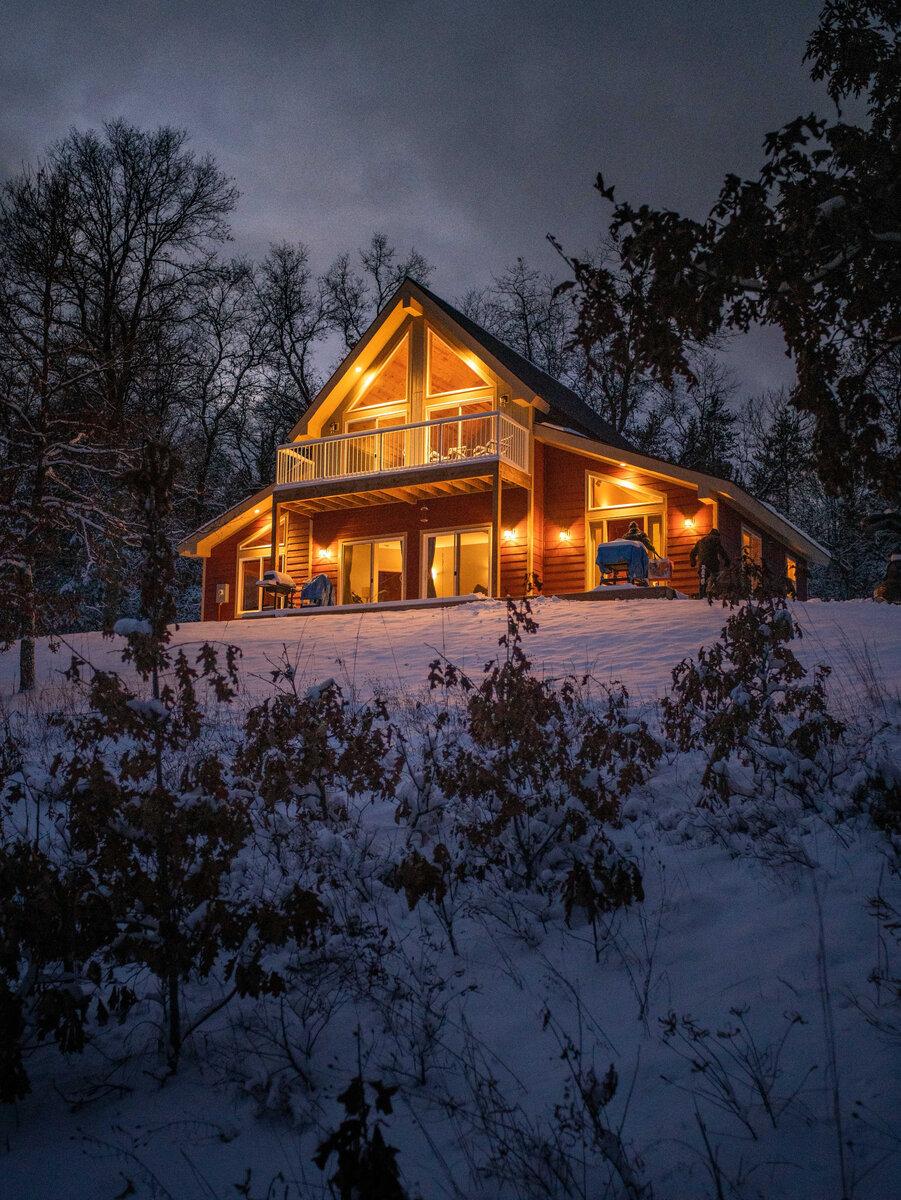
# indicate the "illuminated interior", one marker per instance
pixel 372 571
pixel 751 546
pixel 605 492
pixel 457 564
pixel 449 372
pixel 388 388
pixel 613 504
pixel 253 561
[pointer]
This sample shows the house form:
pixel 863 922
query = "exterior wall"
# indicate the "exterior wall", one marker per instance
pixel 329 529
pixel 559 483
pixel 564 486
pixel 774 551
pixel 222 567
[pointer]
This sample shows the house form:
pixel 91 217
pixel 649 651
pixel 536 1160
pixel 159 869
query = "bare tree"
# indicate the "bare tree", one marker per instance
pixel 356 294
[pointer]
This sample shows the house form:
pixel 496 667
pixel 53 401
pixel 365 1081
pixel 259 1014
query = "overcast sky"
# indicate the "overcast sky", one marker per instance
pixel 468 130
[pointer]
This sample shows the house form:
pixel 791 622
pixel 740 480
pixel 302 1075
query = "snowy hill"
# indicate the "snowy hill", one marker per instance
pixel 730 1027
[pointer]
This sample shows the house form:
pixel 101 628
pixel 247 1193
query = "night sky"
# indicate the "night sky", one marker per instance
pixel 468 130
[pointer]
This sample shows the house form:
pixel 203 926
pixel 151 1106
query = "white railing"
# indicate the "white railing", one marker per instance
pixel 477 436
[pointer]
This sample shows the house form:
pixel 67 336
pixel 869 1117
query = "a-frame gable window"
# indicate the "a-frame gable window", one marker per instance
pixel 383 399
pixel 450 372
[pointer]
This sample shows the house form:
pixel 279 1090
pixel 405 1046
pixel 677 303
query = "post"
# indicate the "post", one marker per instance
pixel 496 516
pixel 273 560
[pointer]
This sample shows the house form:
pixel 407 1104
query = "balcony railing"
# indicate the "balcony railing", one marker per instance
pixel 473 438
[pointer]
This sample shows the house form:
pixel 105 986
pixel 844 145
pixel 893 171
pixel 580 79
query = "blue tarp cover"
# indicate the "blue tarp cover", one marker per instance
pixel 624 550
pixel 318 590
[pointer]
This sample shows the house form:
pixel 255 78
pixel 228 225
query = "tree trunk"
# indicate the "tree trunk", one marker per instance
pixel 26 643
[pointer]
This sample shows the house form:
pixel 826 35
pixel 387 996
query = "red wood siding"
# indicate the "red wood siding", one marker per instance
pixel 222 567
pixel 564 565
pixel 775 551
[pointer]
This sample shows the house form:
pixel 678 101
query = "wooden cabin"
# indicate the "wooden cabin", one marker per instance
pixel 437 462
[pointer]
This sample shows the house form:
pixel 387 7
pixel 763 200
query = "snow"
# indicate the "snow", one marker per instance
pixel 636 641
pixel 127 626
pixel 720 932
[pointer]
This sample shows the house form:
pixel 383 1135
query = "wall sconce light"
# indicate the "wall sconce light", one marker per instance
pixel 509 535
pixel 333 428
pixel 689 522
pixel 566 535
pixel 325 552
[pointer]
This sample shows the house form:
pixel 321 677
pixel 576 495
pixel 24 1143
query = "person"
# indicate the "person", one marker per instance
pixel 634 534
pixel 709 557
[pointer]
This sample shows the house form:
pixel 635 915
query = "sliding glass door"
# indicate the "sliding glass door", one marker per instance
pixel 457 563
pixel 372 571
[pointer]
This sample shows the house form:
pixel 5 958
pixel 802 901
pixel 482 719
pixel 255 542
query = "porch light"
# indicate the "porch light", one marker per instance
pixel 565 535
pixel 689 522
pixel 325 552
pixel 509 535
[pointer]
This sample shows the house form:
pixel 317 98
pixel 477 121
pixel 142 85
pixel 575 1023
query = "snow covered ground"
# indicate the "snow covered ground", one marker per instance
pixel 747 1005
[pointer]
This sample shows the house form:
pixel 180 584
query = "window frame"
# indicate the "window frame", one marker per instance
pixel 456 529
pixel 370 541
pixel 251 550
pixel 752 535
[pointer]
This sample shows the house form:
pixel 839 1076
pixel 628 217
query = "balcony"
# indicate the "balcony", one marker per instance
pixel 478 438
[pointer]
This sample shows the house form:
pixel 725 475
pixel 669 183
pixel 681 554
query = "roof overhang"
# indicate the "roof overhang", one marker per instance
pixel 710 488
pixel 200 543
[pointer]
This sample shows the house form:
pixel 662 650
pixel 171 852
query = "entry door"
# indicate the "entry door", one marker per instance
pixel 457 563
pixel 372 572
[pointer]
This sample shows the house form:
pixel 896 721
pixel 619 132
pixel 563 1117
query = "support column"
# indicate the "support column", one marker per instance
pixel 496 517
pixel 273 549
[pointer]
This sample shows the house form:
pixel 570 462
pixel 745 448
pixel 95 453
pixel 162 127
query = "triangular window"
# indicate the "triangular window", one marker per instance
pixel 451 372
pixel 388 388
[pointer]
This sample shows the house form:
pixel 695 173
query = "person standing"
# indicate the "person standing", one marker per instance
pixel 709 557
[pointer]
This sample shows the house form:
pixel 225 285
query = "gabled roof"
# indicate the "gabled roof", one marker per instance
pixel 566 408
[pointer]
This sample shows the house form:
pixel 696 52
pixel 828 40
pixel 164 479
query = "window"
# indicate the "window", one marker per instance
pixel 449 371
pixel 457 563
pixel 751 546
pixel 253 562
pixel 385 389
pixel 791 572
pixel 372 571
pixel 613 504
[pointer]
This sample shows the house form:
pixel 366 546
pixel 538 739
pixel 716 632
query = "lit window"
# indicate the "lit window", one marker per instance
pixel 751 546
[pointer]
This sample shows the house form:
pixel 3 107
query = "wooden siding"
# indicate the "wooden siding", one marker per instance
pixel 564 485
pixel 775 552
pixel 222 567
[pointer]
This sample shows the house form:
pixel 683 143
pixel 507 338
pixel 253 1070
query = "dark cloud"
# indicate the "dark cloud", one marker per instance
pixel 468 129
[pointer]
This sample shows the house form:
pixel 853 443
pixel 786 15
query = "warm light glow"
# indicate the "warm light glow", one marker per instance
pixel 509 535
pixel 622 464
pixel 358 369
pixel 565 535
pixel 256 510
pixel 325 552
pixel 434 572
pixel 689 522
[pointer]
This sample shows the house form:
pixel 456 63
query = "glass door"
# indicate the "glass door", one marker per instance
pixel 372 571
pixel 457 563
pixel 608 529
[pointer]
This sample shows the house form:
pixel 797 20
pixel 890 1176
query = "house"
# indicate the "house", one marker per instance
pixel 438 462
